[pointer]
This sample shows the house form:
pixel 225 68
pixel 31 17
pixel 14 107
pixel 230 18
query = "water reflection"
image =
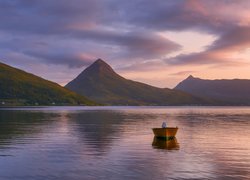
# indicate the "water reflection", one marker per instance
pixel 97 130
pixel 169 144
pixel 18 125
pixel 64 143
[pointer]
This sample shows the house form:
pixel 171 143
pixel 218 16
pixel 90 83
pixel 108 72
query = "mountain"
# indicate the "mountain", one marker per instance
pixel 230 92
pixel 18 87
pixel 102 84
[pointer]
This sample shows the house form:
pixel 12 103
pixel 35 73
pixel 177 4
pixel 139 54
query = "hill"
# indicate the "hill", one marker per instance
pixel 18 87
pixel 102 84
pixel 230 92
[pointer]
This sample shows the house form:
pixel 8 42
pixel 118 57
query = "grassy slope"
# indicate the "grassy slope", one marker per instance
pixel 23 88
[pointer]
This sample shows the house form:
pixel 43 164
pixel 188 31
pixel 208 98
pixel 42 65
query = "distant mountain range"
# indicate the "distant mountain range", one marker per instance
pixel 18 87
pixel 227 92
pixel 102 84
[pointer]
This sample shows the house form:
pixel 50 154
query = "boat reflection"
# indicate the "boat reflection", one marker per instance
pixel 170 144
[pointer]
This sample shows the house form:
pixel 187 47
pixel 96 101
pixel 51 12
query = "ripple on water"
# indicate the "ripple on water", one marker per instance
pixel 118 143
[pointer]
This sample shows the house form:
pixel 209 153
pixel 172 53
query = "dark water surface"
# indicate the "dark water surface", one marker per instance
pixel 117 143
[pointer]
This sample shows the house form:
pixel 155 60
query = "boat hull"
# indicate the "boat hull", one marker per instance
pixel 166 133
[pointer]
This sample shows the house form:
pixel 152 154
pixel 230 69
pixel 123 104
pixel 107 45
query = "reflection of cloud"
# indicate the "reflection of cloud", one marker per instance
pixel 207 150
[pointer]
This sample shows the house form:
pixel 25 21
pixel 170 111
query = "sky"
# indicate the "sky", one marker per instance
pixel 157 42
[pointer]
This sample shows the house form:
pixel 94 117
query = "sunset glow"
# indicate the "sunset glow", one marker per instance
pixel 156 42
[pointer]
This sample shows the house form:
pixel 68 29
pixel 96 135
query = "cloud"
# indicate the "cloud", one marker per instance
pixel 222 51
pixel 86 22
pixel 132 44
pixel 236 39
pixel 182 73
pixel 144 66
pixel 86 46
pixel 127 33
pixel 71 60
pixel 184 14
pixel 58 17
pixel 46 17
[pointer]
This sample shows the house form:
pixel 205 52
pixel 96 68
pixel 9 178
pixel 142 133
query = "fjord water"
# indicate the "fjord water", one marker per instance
pixel 118 143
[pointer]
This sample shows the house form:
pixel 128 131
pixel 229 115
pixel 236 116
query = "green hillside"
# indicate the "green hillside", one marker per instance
pixel 21 88
pixel 100 83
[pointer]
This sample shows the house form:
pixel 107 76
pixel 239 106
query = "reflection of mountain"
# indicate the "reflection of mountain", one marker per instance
pixel 171 144
pixel 97 129
pixel 16 125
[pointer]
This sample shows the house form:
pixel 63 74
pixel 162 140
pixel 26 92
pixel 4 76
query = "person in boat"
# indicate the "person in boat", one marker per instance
pixel 164 125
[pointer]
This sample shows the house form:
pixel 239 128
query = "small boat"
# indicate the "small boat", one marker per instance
pixel 165 133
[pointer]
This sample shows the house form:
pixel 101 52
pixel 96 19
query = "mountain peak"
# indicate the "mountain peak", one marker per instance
pixel 100 66
pixel 190 77
pixel 96 71
pixel 100 62
pixel 102 84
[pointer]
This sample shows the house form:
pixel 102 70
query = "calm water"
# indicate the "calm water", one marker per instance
pixel 117 143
